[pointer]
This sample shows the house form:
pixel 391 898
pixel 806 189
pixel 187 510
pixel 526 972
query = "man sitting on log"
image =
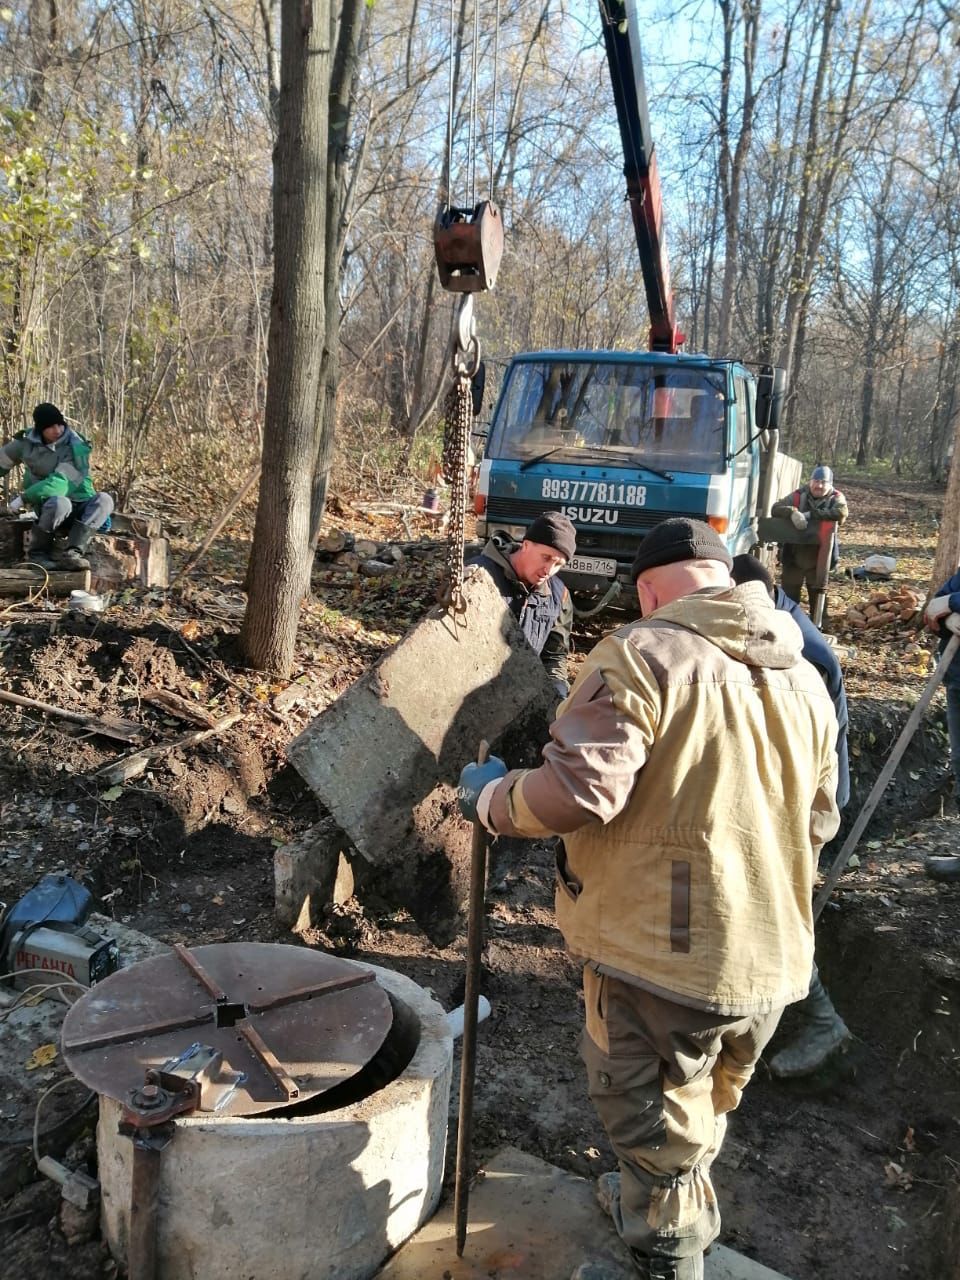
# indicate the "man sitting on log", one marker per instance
pixel 526 577
pixel 57 484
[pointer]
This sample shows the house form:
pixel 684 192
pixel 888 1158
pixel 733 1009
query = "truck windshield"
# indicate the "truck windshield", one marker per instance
pixel 629 413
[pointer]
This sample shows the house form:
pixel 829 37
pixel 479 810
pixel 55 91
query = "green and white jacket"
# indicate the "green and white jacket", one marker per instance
pixel 59 470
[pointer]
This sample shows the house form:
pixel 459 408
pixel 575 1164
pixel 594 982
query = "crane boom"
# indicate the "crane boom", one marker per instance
pixel 621 35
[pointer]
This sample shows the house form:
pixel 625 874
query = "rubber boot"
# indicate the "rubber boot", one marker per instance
pixel 822 1031
pixel 73 558
pixel 40 550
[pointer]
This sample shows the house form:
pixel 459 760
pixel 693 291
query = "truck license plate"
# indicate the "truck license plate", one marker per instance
pixel 602 568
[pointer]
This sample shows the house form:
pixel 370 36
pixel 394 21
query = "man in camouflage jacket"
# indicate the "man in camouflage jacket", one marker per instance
pixel 692 774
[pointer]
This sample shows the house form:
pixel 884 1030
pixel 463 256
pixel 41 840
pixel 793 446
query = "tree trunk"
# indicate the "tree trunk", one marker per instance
pixel 946 560
pixel 279 570
pixel 733 161
pixel 346 63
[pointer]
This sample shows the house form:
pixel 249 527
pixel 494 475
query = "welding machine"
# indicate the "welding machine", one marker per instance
pixel 45 938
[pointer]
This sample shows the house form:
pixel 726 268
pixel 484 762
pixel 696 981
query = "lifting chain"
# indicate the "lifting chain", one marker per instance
pixel 458 418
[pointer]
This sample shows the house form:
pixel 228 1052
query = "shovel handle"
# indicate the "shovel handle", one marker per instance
pixel 468 1056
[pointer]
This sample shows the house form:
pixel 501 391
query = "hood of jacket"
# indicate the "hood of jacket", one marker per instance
pixel 499 552
pixel 742 621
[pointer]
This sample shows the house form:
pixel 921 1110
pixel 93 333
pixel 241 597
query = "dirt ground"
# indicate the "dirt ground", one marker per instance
pixel 850 1176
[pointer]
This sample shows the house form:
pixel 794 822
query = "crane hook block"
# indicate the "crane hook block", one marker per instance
pixel 469 245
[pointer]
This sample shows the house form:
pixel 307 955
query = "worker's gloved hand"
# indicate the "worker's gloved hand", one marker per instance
pixel 15 504
pixel 799 519
pixel 473 778
pixel 560 687
pixel 937 608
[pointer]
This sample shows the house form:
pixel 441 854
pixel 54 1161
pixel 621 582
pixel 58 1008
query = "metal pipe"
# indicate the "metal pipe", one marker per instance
pixel 468 1059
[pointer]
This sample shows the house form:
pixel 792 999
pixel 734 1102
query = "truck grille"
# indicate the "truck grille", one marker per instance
pixel 612 540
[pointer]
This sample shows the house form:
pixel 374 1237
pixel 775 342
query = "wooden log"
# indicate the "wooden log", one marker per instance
pixel 116 560
pixel 109 726
pixel 25 579
pixel 11 539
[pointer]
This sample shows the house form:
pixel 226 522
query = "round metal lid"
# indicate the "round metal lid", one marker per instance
pixel 286 1022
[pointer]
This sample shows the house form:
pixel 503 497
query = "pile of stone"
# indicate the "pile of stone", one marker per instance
pixel 343 553
pixel 887 609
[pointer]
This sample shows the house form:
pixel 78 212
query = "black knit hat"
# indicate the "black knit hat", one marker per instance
pixel 48 415
pixel 674 540
pixel 553 529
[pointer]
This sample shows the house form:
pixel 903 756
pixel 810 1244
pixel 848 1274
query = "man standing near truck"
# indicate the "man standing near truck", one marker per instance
pixel 692 776
pixel 806 508
pixel 526 577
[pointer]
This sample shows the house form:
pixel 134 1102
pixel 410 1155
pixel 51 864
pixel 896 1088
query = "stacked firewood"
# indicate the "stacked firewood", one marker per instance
pixel 886 609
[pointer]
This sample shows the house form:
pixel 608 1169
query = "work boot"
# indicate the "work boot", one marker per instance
pixel 73 558
pixel 40 550
pixel 822 1031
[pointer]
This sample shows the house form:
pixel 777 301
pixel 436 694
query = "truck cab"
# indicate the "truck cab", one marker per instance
pixel 619 441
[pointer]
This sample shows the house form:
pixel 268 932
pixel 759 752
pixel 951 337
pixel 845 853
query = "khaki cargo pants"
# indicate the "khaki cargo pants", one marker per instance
pixel 662 1078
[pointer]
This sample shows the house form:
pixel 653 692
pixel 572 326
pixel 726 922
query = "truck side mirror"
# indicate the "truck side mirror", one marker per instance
pixel 477 384
pixel 771 393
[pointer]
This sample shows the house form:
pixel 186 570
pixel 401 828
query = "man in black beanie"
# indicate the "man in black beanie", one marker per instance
pixel 692 774
pixel 57 484
pixel 526 577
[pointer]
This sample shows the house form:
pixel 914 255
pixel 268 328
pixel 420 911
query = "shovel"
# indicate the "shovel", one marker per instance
pixel 888 770
pixel 468 1057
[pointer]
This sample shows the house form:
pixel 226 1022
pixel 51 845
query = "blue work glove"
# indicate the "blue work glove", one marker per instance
pixel 473 778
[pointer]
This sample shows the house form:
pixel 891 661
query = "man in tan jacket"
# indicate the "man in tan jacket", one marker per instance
pixel 692 775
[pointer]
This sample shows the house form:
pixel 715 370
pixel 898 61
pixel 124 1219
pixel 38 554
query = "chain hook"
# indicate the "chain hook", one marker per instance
pixel 466 346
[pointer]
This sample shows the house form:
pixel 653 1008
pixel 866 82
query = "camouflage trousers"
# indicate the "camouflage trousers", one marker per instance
pixel 663 1077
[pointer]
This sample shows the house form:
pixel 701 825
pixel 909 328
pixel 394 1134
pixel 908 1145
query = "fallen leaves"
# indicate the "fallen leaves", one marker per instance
pixel 42 1056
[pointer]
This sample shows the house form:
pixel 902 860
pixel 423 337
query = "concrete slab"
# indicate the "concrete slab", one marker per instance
pixel 532 1221
pixel 416 718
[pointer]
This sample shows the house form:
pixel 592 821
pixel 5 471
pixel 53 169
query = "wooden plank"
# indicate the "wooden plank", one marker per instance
pixel 25 579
